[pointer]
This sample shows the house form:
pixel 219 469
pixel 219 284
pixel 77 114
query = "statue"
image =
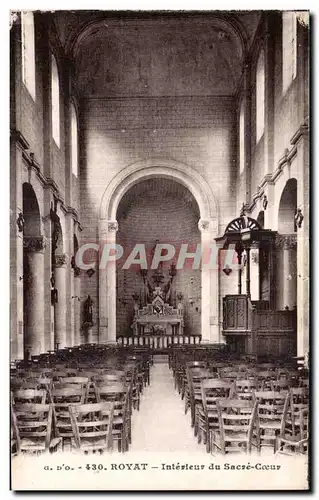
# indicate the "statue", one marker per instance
pixel 88 311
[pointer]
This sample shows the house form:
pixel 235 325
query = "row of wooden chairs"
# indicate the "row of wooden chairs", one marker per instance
pixel 92 427
pixel 69 384
pixel 281 392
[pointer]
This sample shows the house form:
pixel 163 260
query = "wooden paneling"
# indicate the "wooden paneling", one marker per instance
pixel 235 309
pixel 260 330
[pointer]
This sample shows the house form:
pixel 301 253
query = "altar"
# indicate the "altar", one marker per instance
pixel 158 317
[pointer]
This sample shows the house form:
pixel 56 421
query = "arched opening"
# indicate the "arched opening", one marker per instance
pixel 261 219
pixel 287 247
pixel 31 212
pixel 32 273
pixel 173 172
pixel 158 211
pixel 287 208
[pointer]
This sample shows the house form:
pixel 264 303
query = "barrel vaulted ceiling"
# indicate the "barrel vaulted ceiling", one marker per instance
pixel 153 55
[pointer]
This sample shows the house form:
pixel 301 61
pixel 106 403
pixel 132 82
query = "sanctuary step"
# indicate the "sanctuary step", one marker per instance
pixel 160 358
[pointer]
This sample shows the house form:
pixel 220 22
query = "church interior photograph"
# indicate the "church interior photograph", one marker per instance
pixel 159 232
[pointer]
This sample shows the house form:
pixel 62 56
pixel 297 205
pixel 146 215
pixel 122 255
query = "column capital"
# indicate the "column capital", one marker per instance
pixel 60 260
pixel 206 225
pixel 286 241
pixel 112 225
pixel 34 243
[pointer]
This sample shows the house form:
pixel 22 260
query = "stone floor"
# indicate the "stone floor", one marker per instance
pixel 161 423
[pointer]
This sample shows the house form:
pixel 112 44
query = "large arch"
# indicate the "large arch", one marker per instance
pixel 208 225
pixel 287 207
pixel 159 167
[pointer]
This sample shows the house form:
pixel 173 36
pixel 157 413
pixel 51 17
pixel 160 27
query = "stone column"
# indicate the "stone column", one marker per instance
pixel 254 274
pixel 303 189
pixel 60 307
pixel 77 308
pixel 107 286
pixel 34 293
pixel 287 270
pixel 210 284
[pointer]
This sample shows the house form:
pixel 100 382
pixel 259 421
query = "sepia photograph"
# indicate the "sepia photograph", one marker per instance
pixel 159 250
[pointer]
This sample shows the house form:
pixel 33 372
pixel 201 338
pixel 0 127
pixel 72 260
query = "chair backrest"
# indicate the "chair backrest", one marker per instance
pixel 33 422
pixel 74 380
pixel 244 388
pixel 230 375
pixel 92 425
pixel 58 374
pixel 214 389
pixel 272 405
pixel 111 392
pixel 236 416
pixel 63 397
pixel 29 396
pixel 109 378
pixel 283 383
pixel 299 398
pixel 17 383
pixel 196 364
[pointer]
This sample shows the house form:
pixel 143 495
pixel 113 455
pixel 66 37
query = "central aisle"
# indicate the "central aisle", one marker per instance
pixel 161 424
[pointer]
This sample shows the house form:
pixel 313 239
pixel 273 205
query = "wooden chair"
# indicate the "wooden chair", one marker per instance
pixel 280 384
pixel 193 391
pixel 297 444
pixel 92 426
pixel 33 427
pixel 244 389
pixel 236 419
pixel 207 414
pixel 271 415
pixel 29 396
pixel 229 376
pixel 265 379
pixel 120 396
pixel 61 399
pixel 298 401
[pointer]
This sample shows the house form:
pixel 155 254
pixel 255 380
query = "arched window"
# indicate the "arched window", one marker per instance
pixel 74 140
pixel 28 51
pixel 260 96
pixel 242 138
pixel 289 49
pixel 55 101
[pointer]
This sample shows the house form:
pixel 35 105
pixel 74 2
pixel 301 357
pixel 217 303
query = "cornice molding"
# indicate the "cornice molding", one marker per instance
pixel 19 138
pixel 285 160
pixel 46 182
pixel 302 131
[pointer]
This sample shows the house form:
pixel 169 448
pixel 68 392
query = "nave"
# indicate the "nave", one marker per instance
pixel 103 399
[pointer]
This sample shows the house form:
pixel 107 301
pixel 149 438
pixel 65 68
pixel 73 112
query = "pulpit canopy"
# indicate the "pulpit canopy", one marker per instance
pixel 243 231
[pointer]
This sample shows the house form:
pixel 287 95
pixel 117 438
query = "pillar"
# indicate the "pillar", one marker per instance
pixel 77 309
pixel 303 189
pixel 286 284
pixel 34 292
pixel 60 339
pixel 254 274
pixel 290 272
pixel 210 284
pixel 107 286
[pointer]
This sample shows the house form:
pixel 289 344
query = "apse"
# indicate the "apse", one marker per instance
pixel 158 211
